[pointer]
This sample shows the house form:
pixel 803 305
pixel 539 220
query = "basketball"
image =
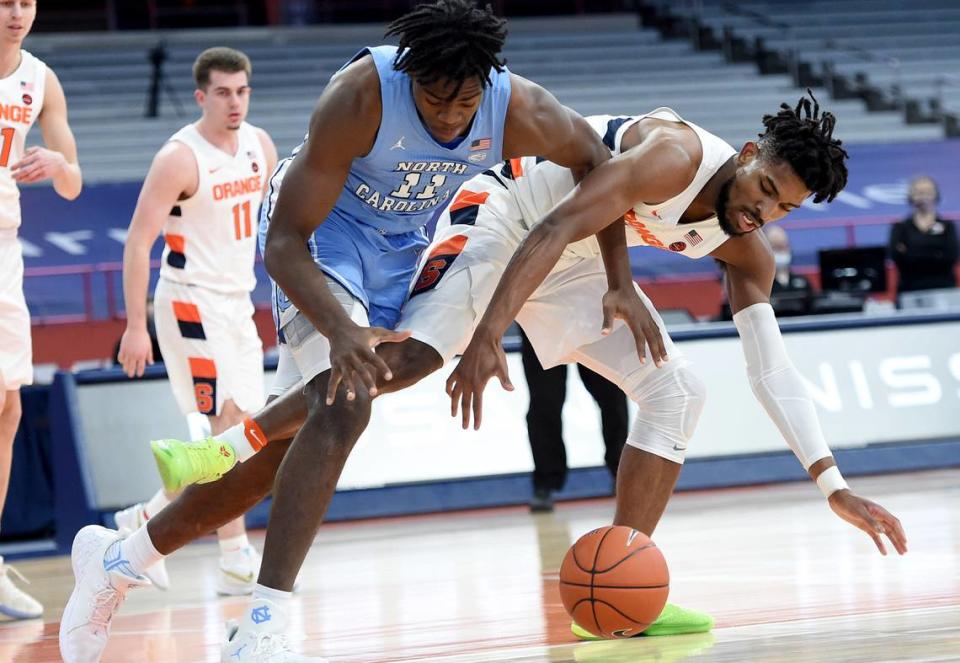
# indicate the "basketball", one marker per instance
pixel 614 582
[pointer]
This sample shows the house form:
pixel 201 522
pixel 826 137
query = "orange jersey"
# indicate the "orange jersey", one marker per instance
pixel 211 237
pixel 21 98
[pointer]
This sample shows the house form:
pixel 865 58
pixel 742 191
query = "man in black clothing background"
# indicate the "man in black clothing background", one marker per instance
pixel 548 390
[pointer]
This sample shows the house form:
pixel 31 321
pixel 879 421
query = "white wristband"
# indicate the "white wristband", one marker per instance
pixel 830 481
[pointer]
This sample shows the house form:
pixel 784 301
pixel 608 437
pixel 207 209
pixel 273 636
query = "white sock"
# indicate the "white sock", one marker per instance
pixel 137 549
pixel 236 437
pixel 234 544
pixel 157 503
pixel 278 596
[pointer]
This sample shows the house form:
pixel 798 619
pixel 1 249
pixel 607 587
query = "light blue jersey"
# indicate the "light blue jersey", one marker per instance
pixel 373 237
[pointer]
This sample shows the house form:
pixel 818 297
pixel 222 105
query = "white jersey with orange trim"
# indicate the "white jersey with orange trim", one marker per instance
pixel 540 185
pixel 21 98
pixel 210 238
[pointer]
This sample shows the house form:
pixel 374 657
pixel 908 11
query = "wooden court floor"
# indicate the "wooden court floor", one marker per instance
pixel 785 579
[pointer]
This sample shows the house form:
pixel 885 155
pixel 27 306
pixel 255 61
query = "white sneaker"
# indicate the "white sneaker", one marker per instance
pixel 238 572
pixel 103 578
pixel 261 637
pixel 129 521
pixel 14 602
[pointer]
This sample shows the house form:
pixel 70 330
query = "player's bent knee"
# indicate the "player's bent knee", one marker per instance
pixel 410 362
pixel 348 417
pixel 670 401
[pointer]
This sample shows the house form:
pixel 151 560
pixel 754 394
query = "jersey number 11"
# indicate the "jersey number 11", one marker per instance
pixel 247 229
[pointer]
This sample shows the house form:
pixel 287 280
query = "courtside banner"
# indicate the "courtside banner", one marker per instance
pixel 872 385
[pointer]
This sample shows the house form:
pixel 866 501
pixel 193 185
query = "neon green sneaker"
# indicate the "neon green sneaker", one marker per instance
pixel 644 650
pixel 184 463
pixel 673 620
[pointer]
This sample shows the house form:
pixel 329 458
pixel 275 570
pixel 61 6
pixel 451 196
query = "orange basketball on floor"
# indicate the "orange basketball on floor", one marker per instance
pixel 614 582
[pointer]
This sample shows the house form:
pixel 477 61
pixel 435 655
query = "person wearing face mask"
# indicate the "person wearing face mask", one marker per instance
pixel 924 246
pixel 791 293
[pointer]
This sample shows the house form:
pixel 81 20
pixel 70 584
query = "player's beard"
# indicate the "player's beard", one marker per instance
pixel 723 199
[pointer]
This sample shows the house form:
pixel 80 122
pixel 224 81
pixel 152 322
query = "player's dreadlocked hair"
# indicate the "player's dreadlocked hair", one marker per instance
pixel 449 39
pixel 803 137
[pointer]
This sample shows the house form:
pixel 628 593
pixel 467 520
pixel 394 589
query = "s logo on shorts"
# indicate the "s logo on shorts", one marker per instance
pixel 204 373
pixel 439 260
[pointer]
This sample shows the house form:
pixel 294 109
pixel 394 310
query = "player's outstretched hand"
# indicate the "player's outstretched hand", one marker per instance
pixel 871 518
pixel 136 351
pixel 37 164
pixel 627 306
pixel 354 364
pixel 483 359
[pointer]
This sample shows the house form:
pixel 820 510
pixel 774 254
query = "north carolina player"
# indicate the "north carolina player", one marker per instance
pixel 393 136
pixel 203 191
pixel 29 92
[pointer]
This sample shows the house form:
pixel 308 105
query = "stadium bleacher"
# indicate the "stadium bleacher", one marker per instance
pixel 599 64
pixel 907 50
pixel 605 63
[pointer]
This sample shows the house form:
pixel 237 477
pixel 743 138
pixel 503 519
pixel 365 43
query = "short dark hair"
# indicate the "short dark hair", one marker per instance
pixel 449 39
pixel 219 58
pixel 803 137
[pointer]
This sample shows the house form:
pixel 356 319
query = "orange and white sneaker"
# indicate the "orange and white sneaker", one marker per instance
pixel 14 602
pixel 129 521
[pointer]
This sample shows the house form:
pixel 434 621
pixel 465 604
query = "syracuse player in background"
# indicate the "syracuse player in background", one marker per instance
pixel 29 92
pixel 203 191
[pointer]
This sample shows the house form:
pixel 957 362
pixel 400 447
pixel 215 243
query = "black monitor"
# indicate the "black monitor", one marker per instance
pixel 859 270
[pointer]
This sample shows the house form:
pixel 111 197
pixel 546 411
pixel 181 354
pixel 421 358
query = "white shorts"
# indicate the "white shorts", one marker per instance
pixel 563 318
pixel 288 375
pixel 16 349
pixel 308 348
pixel 211 348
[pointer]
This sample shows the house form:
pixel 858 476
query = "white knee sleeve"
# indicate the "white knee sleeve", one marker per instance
pixel 670 400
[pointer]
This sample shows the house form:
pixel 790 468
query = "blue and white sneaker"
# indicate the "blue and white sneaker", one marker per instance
pixel 14 602
pixel 103 578
pixel 261 637
pixel 129 521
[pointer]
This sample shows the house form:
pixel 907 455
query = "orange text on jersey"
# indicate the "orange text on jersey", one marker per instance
pixel 237 188
pixel 15 113
pixel 645 234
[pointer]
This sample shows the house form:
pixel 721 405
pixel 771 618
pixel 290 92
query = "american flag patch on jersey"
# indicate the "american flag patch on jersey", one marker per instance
pixel 693 237
pixel 26 86
pixel 480 144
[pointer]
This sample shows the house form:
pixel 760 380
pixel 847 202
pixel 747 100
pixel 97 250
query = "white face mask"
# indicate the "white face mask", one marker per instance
pixel 782 259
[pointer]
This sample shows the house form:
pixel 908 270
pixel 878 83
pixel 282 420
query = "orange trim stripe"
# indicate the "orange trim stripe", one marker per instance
pixel 254 434
pixel 175 242
pixel 517 167
pixel 201 367
pixel 452 246
pixel 186 312
pixel 468 199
